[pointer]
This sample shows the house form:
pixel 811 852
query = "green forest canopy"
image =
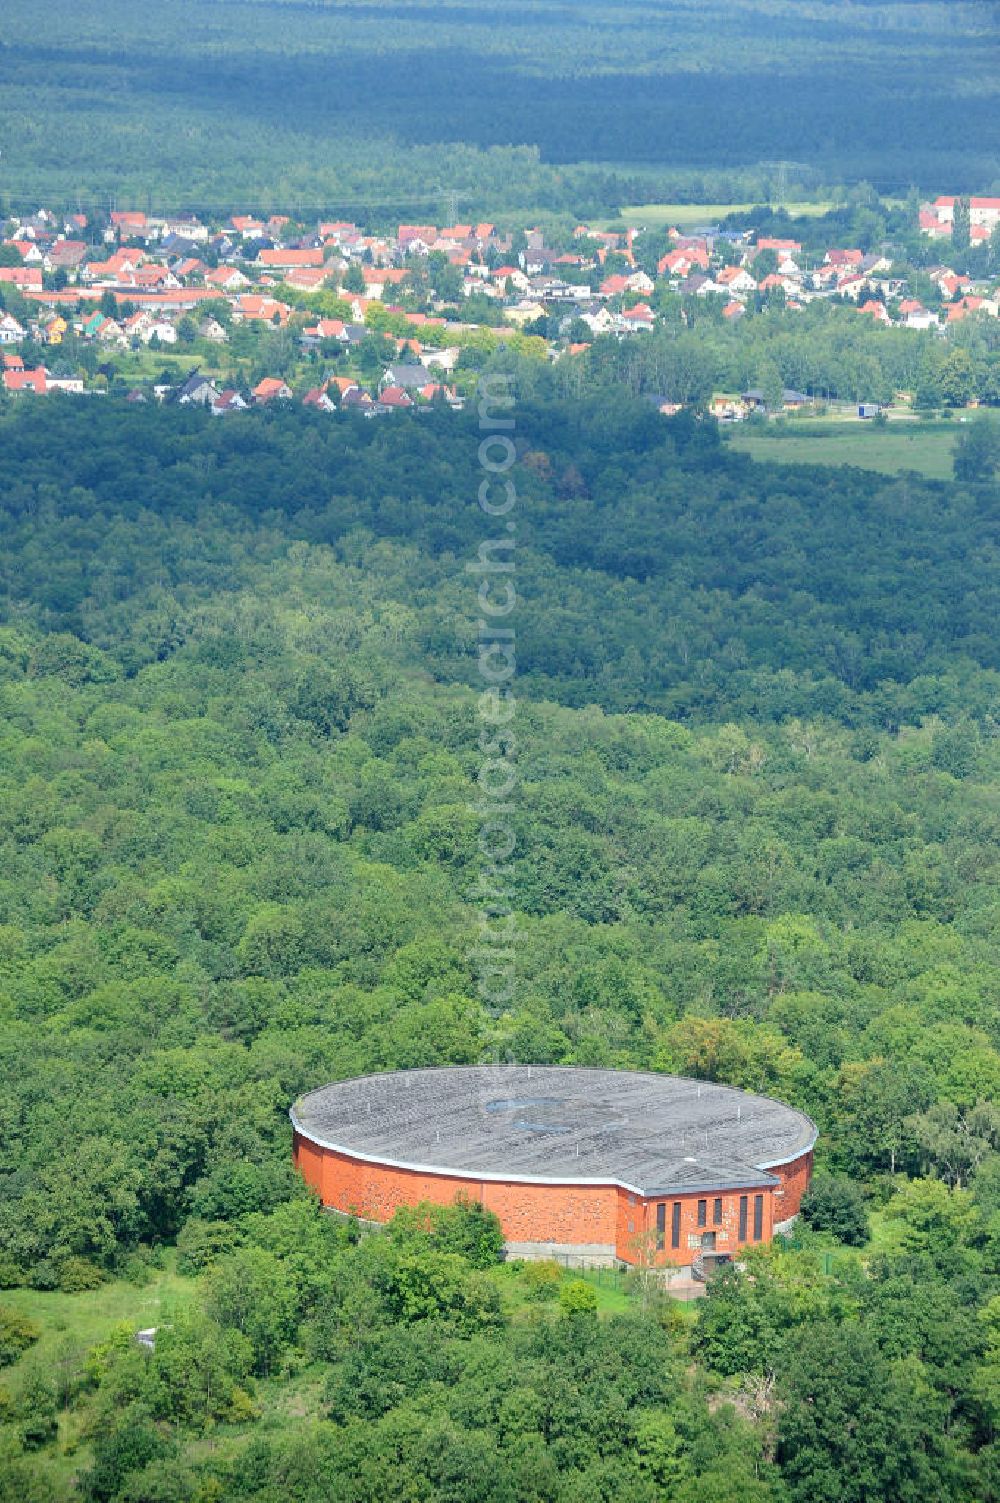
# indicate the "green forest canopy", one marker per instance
pixel 760 837
pixel 357 103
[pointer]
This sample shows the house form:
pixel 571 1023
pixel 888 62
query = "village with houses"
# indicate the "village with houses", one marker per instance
pixel 379 322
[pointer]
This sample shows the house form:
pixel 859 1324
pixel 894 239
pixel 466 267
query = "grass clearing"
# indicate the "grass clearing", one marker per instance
pixel 691 214
pixel 889 450
pixel 81 1320
pixel 70 1325
pixel 609 1284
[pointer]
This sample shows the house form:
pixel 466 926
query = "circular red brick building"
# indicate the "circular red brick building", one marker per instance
pixel 588 1166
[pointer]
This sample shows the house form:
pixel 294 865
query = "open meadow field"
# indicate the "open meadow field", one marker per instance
pixel 889 450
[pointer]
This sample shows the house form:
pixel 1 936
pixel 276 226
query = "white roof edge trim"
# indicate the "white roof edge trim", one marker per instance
pixel 790 1159
pixel 444 1172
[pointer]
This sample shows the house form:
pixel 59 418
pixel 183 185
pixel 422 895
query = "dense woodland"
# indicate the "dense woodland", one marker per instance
pixel 759 830
pixel 360 105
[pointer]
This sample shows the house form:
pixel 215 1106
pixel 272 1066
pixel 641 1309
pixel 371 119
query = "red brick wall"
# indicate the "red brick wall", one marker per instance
pixel 794 1183
pixel 573 1215
pixel 578 1215
pixel 727 1238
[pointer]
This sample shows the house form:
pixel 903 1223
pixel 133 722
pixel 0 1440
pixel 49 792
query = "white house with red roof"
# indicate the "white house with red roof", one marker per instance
pixel 982 211
pixel 735 280
pixel 914 315
pixel 271 389
pixel 844 260
pixel 227 279
pixel 22 277
pixel 318 398
pixel 851 285
pixel 618 284
pixel 253 305
pixel 23 380
pixel 228 401
pixel 637 319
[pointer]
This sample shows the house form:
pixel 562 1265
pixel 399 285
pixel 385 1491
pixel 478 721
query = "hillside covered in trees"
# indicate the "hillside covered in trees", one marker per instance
pixel 363 104
pixel 759 839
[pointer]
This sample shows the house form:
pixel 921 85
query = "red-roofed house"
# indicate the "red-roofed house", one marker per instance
pixel 150 277
pixel 951 283
pixel 317 397
pixel 377 279
pixel 115 267
pixel 416 235
pixel 985 211
pixel 189 267
pixel 325 328
pixel 308 278
pixel 343 384
pixel 22 276
pixel 930 224
pixel 22 380
pixel 228 401
pixel 288 258
pixel 677 263
pixel 272 388
pixel 735 279
pixel 851 286
pixel 394 396
pixel 68 254
pixel 253 305
pixel 960 310
pixel 128 221
pixel 915 316
pixel 634 320
pixel 226 279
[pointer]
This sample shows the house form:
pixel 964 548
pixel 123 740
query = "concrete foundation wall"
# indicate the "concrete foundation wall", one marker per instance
pixel 571 1256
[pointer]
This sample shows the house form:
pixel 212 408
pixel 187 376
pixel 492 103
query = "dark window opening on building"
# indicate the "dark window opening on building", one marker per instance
pixel 661 1226
pixel 717 1211
pixel 703 1213
pixel 675 1225
pixel 758 1217
pixel 743 1218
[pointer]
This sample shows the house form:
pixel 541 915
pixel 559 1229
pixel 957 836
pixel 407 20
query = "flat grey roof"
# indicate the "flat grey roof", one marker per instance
pixel 558 1124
